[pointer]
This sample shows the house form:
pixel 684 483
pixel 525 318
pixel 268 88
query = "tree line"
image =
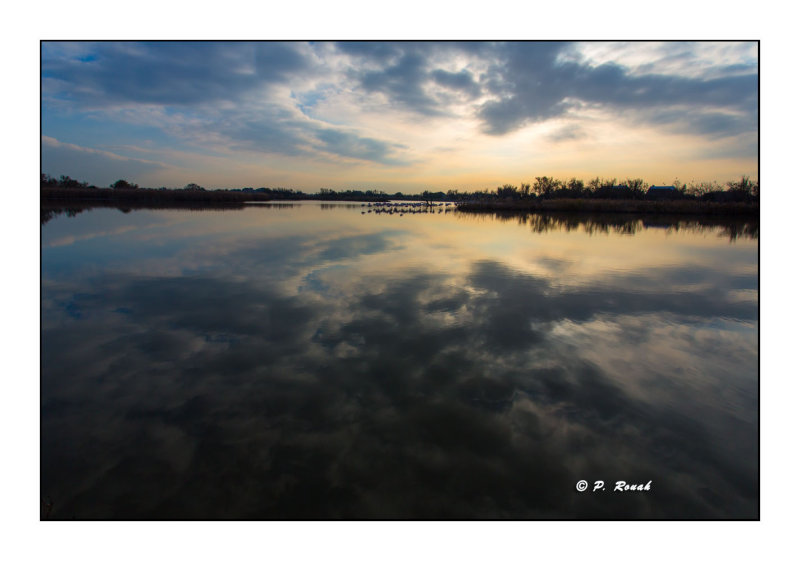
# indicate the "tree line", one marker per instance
pixel 542 188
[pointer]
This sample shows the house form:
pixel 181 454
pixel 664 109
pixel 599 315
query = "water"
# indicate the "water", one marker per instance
pixel 309 361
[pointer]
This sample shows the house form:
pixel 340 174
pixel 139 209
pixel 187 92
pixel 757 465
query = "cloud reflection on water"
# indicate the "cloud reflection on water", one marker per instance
pixel 410 393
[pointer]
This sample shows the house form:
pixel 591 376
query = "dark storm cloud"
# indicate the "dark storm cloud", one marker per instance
pixel 404 70
pixel 170 73
pixel 402 82
pixel 535 85
pixel 379 51
pixel 462 81
pixel 386 51
pixel 408 67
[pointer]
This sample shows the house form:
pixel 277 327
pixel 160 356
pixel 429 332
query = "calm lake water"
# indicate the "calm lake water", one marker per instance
pixel 309 361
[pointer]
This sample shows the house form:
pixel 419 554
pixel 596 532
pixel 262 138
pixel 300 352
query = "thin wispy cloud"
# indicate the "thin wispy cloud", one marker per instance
pixel 73 159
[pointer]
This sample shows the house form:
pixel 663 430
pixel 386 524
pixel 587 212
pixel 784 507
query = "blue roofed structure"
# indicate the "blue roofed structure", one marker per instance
pixel 663 191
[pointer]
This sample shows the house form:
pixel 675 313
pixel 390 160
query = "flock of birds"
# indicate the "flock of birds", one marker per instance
pixel 408 208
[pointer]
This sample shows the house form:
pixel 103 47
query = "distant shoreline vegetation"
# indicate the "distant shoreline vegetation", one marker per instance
pixel 544 194
pixel 607 195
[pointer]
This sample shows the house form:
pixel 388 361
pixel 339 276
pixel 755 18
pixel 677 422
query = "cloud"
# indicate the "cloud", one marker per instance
pixel 405 72
pixel 95 166
pixel 711 123
pixel 461 81
pixel 378 51
pixel 213 95
pixel 402 82
pixel 690 59
pixel 568 132
pixel 534 84
pixel 275 130
pixel 531 82
pixel 174 73
pixel 369 102
pixel 350 145
pixel 269 129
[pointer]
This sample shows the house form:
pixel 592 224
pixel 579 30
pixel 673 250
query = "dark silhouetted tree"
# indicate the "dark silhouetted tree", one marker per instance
pixel 575 186
pixel 637 186
pixel 704 188
pixel 545 186
pixel 122 184
pixel 507 191
pixel 744 186
pixel 48 182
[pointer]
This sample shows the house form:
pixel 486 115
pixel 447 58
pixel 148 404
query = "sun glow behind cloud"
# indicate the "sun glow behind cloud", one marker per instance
pixel 398 116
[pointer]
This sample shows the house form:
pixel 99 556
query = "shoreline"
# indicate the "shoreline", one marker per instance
pixel 146 196
pixel 626 206
pixel 58 197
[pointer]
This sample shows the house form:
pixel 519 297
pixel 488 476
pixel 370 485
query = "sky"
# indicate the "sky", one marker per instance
pixel 397 116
